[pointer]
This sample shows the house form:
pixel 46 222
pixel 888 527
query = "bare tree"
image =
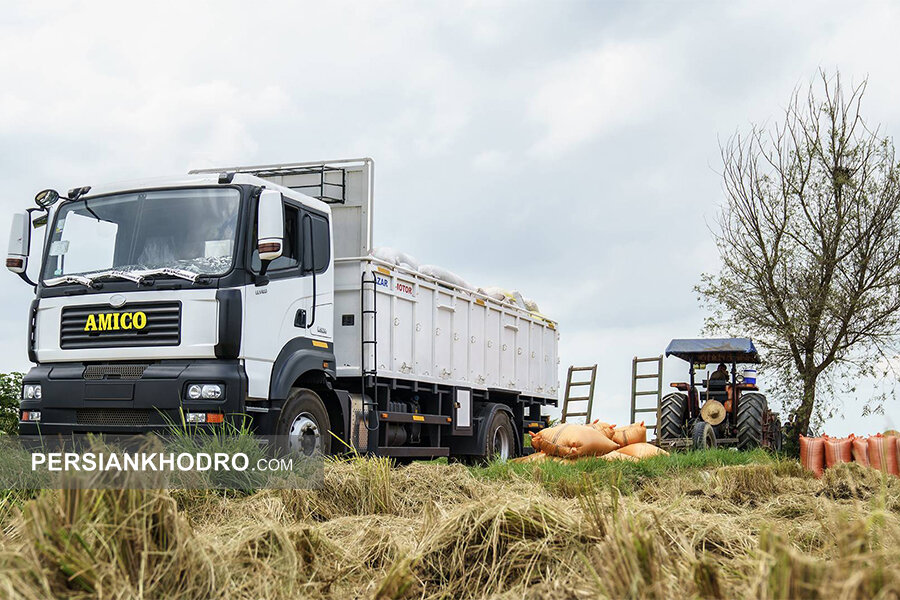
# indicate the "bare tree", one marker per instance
pixel 809 239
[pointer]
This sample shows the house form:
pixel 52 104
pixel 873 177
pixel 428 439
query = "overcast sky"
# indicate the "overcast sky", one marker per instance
pixel 565 149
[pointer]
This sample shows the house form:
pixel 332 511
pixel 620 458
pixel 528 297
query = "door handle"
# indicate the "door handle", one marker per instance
pixel 300 318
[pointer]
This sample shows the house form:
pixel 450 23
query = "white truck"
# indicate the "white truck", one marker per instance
pixel 252 292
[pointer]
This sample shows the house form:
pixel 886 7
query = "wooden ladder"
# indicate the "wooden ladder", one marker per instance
pixel 589 397
pixel 637 393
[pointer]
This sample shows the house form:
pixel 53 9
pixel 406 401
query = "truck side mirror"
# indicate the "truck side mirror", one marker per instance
pixel 19 243
pixel 270 225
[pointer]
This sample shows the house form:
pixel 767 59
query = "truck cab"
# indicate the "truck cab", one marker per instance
pixel 162 300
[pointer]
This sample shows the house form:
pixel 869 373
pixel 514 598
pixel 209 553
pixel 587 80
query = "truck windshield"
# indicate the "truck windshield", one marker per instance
pixel 191 229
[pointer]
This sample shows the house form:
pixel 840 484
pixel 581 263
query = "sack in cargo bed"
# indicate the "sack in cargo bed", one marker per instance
pixel 571 440
pixel 446 276
pixel 395 257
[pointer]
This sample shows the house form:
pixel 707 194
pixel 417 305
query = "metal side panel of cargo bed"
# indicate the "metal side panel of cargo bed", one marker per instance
pixel 429 331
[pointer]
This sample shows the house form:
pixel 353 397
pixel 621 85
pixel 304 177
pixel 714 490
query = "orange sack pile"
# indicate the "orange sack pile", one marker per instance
pixel 882 453
pixel 860 450
pixel 571 440
pixel 641 450
pixel 812 454
pixel 635 433
pixel 838 450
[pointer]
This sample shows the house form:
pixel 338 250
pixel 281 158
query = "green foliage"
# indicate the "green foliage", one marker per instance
pixel 10 394
pixel 627 476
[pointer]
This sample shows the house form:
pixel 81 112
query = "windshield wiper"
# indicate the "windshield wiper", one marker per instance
pixel 85 281
pixel 127 275
pixel 170 271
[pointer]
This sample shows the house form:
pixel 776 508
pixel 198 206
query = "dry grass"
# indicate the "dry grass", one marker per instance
pixel 687 528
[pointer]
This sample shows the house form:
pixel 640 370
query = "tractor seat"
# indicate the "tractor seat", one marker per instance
pixel 716 385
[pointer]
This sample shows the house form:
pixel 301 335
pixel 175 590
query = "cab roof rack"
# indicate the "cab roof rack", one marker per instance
pixel 325 180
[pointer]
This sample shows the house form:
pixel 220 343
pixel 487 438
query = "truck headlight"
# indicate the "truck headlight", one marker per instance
pixel 205 391
pixel 31 392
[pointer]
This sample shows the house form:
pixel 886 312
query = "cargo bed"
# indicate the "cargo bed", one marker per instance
pixel 427 330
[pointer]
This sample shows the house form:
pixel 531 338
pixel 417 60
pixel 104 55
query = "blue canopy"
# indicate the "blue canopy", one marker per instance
pixel 721 350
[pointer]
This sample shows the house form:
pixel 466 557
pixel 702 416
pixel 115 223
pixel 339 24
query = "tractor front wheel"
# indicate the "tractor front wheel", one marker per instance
pixel 751 408
pixel 672 415
pixel 704 437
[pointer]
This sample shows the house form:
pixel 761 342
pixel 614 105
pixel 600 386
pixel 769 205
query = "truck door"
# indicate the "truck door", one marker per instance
pixel 279 311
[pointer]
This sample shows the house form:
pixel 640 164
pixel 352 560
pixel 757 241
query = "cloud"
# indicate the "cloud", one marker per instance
pixel 597 92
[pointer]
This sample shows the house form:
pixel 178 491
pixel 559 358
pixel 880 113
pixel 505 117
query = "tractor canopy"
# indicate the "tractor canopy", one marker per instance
pixel 714 350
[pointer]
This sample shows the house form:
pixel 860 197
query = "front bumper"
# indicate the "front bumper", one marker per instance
pixel 150 397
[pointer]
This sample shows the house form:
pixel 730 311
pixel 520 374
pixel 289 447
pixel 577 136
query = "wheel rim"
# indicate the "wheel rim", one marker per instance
pixel 501 443
pixel 303 436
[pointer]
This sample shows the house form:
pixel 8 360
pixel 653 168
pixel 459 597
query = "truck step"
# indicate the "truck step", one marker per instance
pixel 413 451
pixel 402 417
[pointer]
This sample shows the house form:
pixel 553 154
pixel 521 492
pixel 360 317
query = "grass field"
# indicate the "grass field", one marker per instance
pixel 705 524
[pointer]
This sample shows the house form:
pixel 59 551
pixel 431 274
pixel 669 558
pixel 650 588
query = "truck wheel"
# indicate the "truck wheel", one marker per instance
pixel 750 420
pixel 672 411
pixel 500 438
pixel 703 436
pixel 303 425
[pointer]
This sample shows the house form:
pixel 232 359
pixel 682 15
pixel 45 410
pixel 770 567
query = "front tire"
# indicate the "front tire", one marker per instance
pixel 304 425
pixel 751 408
pixel 704 437
pixel 672 414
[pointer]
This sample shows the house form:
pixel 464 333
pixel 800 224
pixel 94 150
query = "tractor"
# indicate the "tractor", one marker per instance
pixel 726 408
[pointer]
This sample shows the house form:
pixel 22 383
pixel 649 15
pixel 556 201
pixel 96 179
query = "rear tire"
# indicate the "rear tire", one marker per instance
pixel 703 436
pixel 751 408
pixel 499 440
pixel 672 412
pixel 303 425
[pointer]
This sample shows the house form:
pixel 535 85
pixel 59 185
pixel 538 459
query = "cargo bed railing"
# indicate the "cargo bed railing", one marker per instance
pixel 474 293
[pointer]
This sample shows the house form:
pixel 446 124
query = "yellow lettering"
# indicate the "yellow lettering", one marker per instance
pixel 104 321
pixel 125 320
pixel 116 320
pixel 140 320
pixel 90 324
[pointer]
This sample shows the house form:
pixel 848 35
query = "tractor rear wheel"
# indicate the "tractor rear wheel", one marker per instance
pixel 751 408
pixel 704 437
pixel 672 413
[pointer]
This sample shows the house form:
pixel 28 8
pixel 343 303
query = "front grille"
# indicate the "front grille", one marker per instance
pixel 162 327
pixel 112 416
pixel 114 371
